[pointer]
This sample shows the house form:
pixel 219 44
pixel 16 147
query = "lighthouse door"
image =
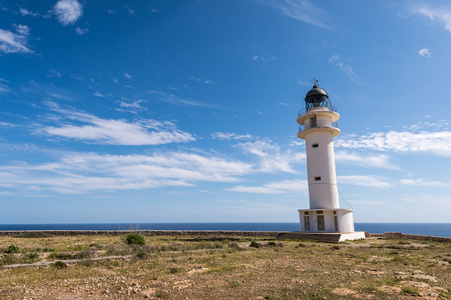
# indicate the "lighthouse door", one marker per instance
pixel 321 223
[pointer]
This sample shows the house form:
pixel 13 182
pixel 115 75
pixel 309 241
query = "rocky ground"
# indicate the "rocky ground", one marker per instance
pixel 227 268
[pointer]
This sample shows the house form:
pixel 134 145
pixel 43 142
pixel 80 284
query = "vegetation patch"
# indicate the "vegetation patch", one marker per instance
pixel 135 239
pixel 34 235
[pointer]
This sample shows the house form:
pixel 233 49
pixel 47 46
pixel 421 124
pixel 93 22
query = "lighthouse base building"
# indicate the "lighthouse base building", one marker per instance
pixel 339 222
pixel 324 217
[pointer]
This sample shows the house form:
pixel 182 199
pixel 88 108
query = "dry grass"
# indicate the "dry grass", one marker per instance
pixel 167 269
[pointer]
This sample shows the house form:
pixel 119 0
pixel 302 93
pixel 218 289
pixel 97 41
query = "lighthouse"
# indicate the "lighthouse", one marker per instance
pixel 319 128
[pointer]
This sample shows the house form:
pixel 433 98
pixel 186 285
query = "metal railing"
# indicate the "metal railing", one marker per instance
pixel 334 125
pixel 329 106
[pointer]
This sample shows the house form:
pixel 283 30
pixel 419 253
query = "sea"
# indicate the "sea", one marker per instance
pixel 433 229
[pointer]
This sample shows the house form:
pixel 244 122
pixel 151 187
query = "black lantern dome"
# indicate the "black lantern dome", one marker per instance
pixel 317 97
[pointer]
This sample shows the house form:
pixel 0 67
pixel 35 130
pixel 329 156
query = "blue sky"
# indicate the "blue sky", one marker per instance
pixel 185 111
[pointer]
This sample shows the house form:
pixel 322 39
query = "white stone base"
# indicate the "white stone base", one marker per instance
pixel 327 220
pixel 352 236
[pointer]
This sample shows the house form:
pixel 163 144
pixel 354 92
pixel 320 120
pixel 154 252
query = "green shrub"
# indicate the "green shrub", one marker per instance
pixel 254 244
pixel 33 256
pixel 135 239
pixel 59 265
pixel 12 249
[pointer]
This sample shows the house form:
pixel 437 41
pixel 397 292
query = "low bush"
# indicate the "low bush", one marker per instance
pixel 59 265
pixel 135 239
pixel 12 249
pixel 254 244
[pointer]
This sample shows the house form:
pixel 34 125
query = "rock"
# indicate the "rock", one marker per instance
pixel 343 292
pixel 389 289
pixel 425 277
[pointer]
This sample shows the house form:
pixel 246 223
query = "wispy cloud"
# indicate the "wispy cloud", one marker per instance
pixel 263 58
pixel 301 10
pixel 364 180
pixel 15 42
pixel 89 128
pixel 132 106
pixel 425 52
pixel 422 183
pixel 431 142
pixel 98 94
pixel 197 79
pixel 368 160
pixel 49 90
pixel 347 69
pixel 81 31
pixel 175 100
pixel 280 187
pixel 271 157
pixel 54 73
pixel 128 76
pixel 441 15
pixel 230 136
pixel 68 11
pixel 3 86
pixel 26 12
pixel 89 172
pixel 6 124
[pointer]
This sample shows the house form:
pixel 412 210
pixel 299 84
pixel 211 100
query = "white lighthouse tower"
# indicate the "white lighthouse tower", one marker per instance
pixel 325 214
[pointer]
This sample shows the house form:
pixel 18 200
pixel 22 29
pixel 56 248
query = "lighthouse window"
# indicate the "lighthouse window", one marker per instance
pixel 315 145
pixel 313 122
pixel 317 178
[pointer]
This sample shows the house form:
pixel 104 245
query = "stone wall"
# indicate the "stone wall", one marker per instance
pixel 148 233
pixel 400 235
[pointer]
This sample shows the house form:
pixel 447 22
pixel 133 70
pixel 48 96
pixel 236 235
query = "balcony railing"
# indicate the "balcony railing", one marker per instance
pixel 334 125
pixel 304 110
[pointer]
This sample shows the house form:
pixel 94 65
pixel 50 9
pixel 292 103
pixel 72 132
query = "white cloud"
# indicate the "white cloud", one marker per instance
pixel 26 12
pixel 81 31
pixel 98 94
pixel 374 161
pixel 54 73
pixel 230 136
pixel 128 76
pixel 11 42
pixel 421 182
pixel 3 86
pixel 271 158
pixel 6 124
pixel 301 10
pixel 87 172
pixel 432 142
pixel 49 90
pixel 425 52
pixel 115 132
pixel 280 187
pixel 438 124
pixel 440 15
pixel 347 69
pixel 364 180
pixel 175 100
pixel 131 106
pixel 68 11
pixel 263 58
pixel 427 200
